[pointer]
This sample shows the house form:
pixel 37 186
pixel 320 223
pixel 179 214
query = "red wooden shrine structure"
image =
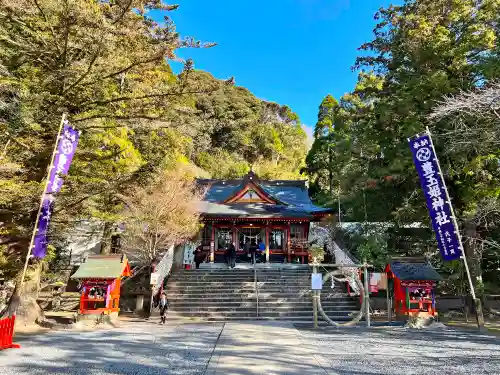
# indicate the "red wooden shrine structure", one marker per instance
pixel 275 213
pixel 100 282
pixel 414 282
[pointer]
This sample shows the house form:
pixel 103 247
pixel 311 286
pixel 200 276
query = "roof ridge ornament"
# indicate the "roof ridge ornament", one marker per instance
pixel 251 176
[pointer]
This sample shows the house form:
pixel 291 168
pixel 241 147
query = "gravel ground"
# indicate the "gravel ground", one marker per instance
pixel 404 351
pixel 139 349
pixel 147 349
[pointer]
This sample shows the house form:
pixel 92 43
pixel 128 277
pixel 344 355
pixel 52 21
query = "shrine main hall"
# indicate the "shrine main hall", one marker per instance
pixel 276 213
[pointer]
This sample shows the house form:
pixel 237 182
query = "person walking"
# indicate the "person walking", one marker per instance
pixel 163 306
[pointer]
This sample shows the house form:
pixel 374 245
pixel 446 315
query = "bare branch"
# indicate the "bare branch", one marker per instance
pixel 480 103
pixel 160 216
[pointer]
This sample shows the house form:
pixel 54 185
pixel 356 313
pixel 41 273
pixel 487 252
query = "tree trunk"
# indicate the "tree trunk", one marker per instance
pixel 106 238
pixel 20 297
pixel 15 299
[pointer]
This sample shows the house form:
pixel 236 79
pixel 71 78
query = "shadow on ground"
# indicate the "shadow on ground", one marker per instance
pixel 147 348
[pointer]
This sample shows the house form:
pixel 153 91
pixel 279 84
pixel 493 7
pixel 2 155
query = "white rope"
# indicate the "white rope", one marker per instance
pixel 355 320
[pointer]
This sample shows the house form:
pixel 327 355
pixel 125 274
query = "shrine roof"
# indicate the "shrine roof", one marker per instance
pixel 103 267
pixel 291 197
pixel 413 269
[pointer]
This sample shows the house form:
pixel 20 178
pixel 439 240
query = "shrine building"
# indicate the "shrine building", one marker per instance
pixel 276 213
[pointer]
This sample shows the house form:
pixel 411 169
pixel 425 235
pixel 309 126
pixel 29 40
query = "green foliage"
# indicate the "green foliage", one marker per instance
pixel 222 164
pixel 245 132
pixel 422 51
pixel 106 66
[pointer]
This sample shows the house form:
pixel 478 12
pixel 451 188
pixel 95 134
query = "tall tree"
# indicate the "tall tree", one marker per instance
pixel 104 64
pixel 421 52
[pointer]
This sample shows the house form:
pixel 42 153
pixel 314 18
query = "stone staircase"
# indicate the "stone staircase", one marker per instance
pixel 221 294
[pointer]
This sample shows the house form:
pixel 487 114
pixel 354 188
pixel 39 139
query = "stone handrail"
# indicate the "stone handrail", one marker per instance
pixel 164 267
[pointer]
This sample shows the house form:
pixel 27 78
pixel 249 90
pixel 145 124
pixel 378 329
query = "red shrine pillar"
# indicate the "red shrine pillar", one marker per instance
pixel 288 242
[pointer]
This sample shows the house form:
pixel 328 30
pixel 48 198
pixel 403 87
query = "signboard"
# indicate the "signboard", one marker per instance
pixel 316 281
pixel 436 196
pixel 189 248
pixel 154 278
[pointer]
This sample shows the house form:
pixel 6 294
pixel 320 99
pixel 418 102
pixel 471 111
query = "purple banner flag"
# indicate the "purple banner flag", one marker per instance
pixel 66 147
pixel 440 210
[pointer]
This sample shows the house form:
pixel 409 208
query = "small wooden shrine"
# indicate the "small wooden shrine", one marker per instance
pixel 100 279
pixel 413 281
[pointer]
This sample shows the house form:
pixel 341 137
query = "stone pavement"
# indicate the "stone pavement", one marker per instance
pixel 262 348
pixel 142 348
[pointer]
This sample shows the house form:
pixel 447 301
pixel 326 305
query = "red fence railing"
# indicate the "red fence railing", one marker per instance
pixel 7 333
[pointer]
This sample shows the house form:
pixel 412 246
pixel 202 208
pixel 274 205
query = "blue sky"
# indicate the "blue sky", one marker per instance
pixel 292 52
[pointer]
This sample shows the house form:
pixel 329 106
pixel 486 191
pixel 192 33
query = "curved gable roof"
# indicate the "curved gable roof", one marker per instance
pixel 292 198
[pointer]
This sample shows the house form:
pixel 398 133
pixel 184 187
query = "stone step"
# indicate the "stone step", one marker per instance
pixel 236 296
pixel 238 274
pixel 233 280
pixel 252 302
pixel 252 310
pixel 246 292
pixel 262 302
pixel 262 314
pixel 306 321
pixel 229 294
pixel 243 271
pixel 191 285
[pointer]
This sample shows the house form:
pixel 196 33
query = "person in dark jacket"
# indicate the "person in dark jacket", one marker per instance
pixel 199 256
pixel 163 306
pixel 232 256
pixel 253 250
pixel 246 247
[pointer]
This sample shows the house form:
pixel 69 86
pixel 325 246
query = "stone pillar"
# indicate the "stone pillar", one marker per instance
pixel 139 303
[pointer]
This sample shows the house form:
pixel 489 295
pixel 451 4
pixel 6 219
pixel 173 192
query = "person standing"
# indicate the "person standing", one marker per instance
pixel 163 306
pixel 253 250
pixel 232 255
pixel 262 251
pixel 246 247
pixel 198 257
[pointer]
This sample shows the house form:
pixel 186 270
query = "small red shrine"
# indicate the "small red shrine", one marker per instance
pixel 100 279
pixel 413 281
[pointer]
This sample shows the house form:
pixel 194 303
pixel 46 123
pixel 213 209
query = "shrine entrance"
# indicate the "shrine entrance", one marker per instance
pixel 273 216
pixel 275 242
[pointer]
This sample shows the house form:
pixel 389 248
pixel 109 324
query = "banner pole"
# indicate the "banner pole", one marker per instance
pixel 477 302
pixel 63 118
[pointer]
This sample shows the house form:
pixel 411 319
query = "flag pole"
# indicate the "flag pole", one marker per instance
pixel 477 302
pixel 63 119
